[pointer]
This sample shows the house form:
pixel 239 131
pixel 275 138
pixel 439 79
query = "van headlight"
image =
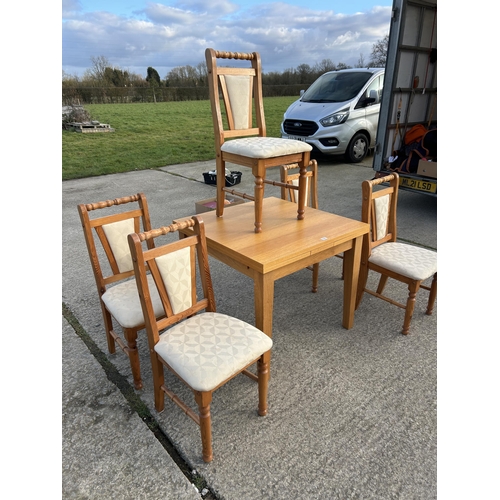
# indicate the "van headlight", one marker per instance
pixel 335 119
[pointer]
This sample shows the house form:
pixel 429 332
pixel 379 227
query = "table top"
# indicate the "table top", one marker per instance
pixel 283 239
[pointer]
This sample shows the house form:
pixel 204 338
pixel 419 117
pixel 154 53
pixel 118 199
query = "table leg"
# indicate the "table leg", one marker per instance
pixel 352 259
pixel 264 302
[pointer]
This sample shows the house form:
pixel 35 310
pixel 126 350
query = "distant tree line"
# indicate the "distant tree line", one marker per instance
pixel 103 82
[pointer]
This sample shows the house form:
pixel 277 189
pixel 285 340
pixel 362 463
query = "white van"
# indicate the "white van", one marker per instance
pixel 338 113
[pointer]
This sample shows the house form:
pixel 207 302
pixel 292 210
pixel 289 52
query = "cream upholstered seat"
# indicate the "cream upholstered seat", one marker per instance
pixel 115 282
pixel 414 262
pixel 209 348
pixel 205 349
pixel 381 253
pixel 240 132
pixel 264 147
pixel 123 302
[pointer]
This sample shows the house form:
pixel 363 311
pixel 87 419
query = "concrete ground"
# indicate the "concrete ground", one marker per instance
pixel 352 413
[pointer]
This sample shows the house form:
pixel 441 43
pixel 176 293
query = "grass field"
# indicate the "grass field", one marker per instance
pixel 149 135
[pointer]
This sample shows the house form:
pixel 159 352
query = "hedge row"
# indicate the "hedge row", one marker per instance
pixel 112 95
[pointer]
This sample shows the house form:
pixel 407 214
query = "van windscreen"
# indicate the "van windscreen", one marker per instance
pixel 336 87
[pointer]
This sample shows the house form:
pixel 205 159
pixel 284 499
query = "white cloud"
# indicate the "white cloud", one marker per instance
pixel 345 38
pixel 168 36
pixel 221 7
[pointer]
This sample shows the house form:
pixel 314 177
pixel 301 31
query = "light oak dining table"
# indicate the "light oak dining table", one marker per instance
pixel 284 246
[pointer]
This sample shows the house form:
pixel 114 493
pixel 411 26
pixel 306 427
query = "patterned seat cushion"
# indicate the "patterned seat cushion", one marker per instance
pixel 123 302
pixel 208 348
pixel 411 261
pixel 264 147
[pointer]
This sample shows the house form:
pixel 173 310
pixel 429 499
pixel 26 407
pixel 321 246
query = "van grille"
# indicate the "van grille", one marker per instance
pixel 300 127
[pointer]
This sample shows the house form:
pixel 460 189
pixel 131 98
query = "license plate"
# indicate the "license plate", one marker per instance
pixel 297 138
pixel 428 187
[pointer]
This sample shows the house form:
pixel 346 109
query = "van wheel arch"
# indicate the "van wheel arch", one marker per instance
pixel 358 147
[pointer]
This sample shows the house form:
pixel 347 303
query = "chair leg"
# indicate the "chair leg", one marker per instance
pixel 108 325
pixel 220 169
pixel 263 375
pixel 259 197
pixel 410 306
pixel 203 399
pixel 133 355
pixel 432 295
pixel 382 283
pixel 301 199
pixel 158 382
pixel 315 270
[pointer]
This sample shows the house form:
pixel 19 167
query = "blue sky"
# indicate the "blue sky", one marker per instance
pixel 135 34
pixel 126 7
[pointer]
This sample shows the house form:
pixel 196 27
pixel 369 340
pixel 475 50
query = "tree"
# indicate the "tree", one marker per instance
pixel 378 56
pixel 116 77
pixel 202 72
pixel 304 71
pixel 104 75
pixel 69 80
pixel 343 66
pixel 187 76
pixel 99 65
pixel 288 77
pixel 361 61
pixel 136 80
pixel 153 75
pixel 324 66
pixel 154 81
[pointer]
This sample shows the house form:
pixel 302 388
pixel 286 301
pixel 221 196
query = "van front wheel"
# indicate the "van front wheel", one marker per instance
pixel 357 149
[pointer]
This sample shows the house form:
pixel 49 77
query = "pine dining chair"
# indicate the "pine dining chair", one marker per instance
pixel 107 245
pixel 203 348
pixel 382 254
pixel 240 128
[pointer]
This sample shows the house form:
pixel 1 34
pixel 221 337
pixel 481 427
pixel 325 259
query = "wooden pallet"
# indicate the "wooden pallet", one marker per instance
pixel 86 127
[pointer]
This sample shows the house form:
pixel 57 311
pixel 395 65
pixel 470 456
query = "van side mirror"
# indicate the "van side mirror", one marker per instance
pixel 374 95
pixel 373 99
pixel 367 100
pixel 302 93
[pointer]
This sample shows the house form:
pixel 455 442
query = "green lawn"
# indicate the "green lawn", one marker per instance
pixel 150 136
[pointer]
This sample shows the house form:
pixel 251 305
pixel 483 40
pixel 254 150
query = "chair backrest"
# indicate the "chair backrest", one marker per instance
pixel 241 92
pixel 289 177
pixel 112 228
pixel 174 267
pixel 379 210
